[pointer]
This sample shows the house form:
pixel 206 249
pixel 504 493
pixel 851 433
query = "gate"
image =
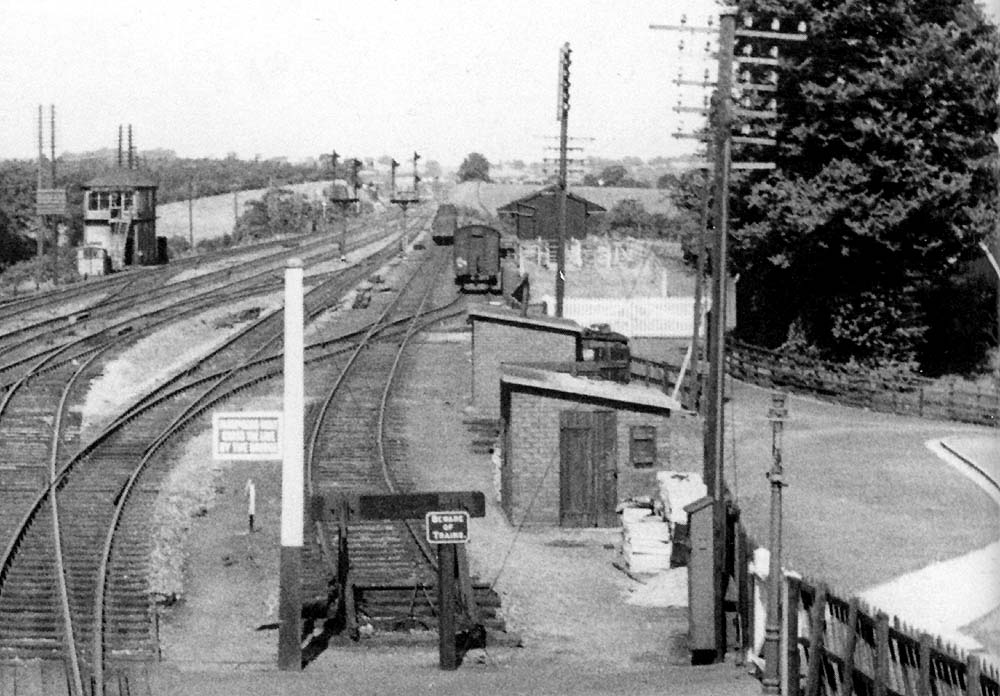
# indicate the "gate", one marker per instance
pixel 588 469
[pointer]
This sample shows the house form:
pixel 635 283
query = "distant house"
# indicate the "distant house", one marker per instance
pixel 537 215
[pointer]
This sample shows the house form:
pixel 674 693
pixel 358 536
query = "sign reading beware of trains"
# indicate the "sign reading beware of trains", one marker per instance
pixel 247 435
pixel 448 527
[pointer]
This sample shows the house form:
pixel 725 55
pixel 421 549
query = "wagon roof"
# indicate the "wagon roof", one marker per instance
pixel 561 382
pixel 508 316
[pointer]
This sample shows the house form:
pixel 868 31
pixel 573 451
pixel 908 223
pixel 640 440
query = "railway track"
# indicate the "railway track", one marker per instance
pixel 50 605
pixel 382 574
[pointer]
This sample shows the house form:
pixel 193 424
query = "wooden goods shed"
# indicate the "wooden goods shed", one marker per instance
pixel 573 448
pixel 537 215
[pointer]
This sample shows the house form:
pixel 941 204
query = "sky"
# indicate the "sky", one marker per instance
pixel 302 77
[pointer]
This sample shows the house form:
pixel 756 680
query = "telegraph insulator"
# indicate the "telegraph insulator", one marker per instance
pixel 746 76
pixel 394 164
pixel 416 180
pixel 775 24
pixel 771 132
pixel 562 96
pixel 773 52
pixel 711 20
pixel 684 19
pixel 747 50
pixel 772 105
pixel 745 102
pixel 748 21
pixel 745 129
pixel 802 27
pixel 708 47
pixel 680 45
pixel 772 77
pixel 415 156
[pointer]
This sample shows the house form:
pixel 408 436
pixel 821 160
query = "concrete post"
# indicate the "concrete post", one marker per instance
pixel 292 491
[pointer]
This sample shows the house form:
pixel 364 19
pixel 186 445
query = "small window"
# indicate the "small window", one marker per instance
pixel 127 200
pixel 642 446
pixel 92 200
pixel 104 199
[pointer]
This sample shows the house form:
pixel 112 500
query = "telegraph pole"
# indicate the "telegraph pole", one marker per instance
pixel 562 115
pixel 722 120
pixel 41 163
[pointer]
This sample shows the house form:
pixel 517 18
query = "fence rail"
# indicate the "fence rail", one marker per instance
pixel 903 395
pixel 836 645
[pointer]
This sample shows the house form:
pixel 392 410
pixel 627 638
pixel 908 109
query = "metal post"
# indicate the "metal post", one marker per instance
pixel 771 683
pixel 292 477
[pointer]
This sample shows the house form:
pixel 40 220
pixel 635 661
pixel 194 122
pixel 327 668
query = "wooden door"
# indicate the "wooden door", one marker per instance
pixel 588 472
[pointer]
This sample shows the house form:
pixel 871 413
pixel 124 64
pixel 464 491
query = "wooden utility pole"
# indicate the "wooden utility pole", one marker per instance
pixel 562 115
pixel 722 117
pixel 191 212
pixel 41 163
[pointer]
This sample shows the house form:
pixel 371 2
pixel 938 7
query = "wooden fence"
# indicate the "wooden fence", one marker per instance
pixel 835 645
pixel 904 395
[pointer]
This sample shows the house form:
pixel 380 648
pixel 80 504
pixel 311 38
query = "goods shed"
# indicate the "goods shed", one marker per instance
pixel 537 215
pixel 573 448
pixel 501 335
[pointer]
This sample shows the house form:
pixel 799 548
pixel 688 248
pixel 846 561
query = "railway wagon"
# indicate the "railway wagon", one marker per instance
pixel 444 225
pixel 477 259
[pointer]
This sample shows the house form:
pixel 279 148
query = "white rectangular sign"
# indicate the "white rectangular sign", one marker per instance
pixel 247 435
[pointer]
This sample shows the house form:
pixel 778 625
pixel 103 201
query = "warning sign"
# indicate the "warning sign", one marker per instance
pixel 448 527
pixel 248 435
pixel 50 202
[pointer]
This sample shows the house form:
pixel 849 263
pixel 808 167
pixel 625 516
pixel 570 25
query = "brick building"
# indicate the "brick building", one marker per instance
pixel 574 447
pixel 504 336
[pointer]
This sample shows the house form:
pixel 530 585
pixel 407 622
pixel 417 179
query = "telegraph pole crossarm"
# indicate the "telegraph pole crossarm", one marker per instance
pixel 724 115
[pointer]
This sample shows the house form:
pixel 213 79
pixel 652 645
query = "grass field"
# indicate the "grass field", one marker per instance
pixel 213 216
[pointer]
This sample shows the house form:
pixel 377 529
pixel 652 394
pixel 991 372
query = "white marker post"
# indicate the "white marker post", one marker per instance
pixel 290 581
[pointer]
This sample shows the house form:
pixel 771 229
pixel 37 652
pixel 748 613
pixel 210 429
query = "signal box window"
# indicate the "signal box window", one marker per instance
pixel 642 446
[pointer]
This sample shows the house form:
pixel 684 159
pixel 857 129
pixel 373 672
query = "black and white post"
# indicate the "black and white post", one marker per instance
pixel 292 475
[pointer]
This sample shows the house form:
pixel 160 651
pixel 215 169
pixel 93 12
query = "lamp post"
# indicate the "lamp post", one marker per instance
pixel 771 683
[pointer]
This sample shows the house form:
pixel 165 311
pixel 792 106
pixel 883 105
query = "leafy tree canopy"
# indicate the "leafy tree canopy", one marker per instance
pixel 886 177
pixel 474 167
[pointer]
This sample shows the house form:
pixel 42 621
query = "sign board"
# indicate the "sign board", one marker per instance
pixel 50 202
pixel 247 435
pixel 448 527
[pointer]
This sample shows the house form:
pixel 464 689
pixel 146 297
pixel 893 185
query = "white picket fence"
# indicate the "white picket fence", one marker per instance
pixel 658 317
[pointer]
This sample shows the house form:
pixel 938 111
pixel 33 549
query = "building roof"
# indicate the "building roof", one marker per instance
pixel 513 317
pixel 122 177
pixel 529 201
pixel 627 394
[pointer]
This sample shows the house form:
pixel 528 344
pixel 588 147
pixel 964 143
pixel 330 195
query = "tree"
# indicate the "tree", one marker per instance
pixel 432 169
pixel 475 167
pixel 885 178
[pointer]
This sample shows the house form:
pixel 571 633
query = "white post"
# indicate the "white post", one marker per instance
pixel 292 483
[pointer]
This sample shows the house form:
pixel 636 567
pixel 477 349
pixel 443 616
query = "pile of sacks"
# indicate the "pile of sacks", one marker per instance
pixel 651 525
